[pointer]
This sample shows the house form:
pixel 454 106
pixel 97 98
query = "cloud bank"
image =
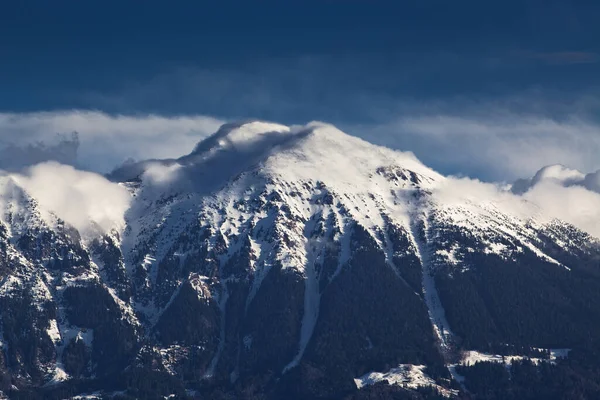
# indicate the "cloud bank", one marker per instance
pixel 575 204
pixel 498 148
pixel 63 149
pixel 103 140
pixel 504 146
pixel 561 176
pixel 565 193
pixel 85 200
pixel 545 200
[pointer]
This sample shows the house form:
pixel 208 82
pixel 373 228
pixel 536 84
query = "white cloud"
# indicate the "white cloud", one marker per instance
pixel 565 193
pixel 574 204
pixel 545 200
pixel 85 200
pixel 105 140
pixel 560 176
pixel 500 146
pixel 158 174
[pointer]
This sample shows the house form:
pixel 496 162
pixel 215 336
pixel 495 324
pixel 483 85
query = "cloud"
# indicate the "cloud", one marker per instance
pixel 565 193
pixel 505 145
pixel 496 129
pixel 103 140
pixel 490 141
pixel 14 157
pixel 85 200
pixel 592 181
pixel 546 200
pixel 559 175
pixel 501 146
pixel 574 204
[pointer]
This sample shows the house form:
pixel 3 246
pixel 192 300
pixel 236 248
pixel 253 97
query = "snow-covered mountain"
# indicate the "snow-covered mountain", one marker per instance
pixel 278 260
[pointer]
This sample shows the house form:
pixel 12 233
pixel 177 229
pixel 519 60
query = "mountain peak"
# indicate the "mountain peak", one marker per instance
pixel 262 248
pixel 240 134
pixel 313 151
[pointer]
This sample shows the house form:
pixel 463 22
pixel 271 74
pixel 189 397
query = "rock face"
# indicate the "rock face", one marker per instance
pixel 277 262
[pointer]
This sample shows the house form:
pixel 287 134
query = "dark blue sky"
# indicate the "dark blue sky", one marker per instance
pixel 293 60
pixel 490 89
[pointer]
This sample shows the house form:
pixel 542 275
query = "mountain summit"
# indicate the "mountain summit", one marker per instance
pixel 283 261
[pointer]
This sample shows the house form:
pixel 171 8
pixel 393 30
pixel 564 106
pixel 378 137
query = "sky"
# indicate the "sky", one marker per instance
pixel 494 90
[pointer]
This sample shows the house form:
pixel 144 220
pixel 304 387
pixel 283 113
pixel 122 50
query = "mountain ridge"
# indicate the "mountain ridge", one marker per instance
pixel 276 260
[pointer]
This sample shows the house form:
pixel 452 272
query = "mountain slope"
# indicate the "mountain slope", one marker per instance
pixel 280 260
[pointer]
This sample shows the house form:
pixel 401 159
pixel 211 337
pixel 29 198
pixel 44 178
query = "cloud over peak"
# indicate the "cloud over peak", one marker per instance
pixel 501 146
pixel 559 175
pixel 102 141
pixel 509 144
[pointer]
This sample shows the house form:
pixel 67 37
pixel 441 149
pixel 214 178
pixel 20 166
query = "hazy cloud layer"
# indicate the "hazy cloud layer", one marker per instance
pixel 574 204
pixel 501 147
pixel 494 148
pixel 559 175
pixel 545 201
pixel 565 193
pixel 103 140
pixel 498 146
pixel 63 149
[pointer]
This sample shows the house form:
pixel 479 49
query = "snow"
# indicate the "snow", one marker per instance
pixel 405 375
pixel 223 297
pixel 40 292
pixel 249 159
pixel 265 182
pixel 126 308
pixel 449 255
pixel 544 256
pixel 89 396
pixel 200 287
pixel 53 331
pixel 9 284
pixel 471 357
pixel 322 151
pixel 488 223
pixel 61 333
pixel 456 376
pixel 312 296
pixel 496 248
pixel 437 314
pixel 262 250
pixel 58 375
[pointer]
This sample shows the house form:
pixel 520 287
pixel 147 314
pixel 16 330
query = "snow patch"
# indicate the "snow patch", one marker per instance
pixel 53 331
pixel 435 309
pixel 408 376
pixel 471 357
